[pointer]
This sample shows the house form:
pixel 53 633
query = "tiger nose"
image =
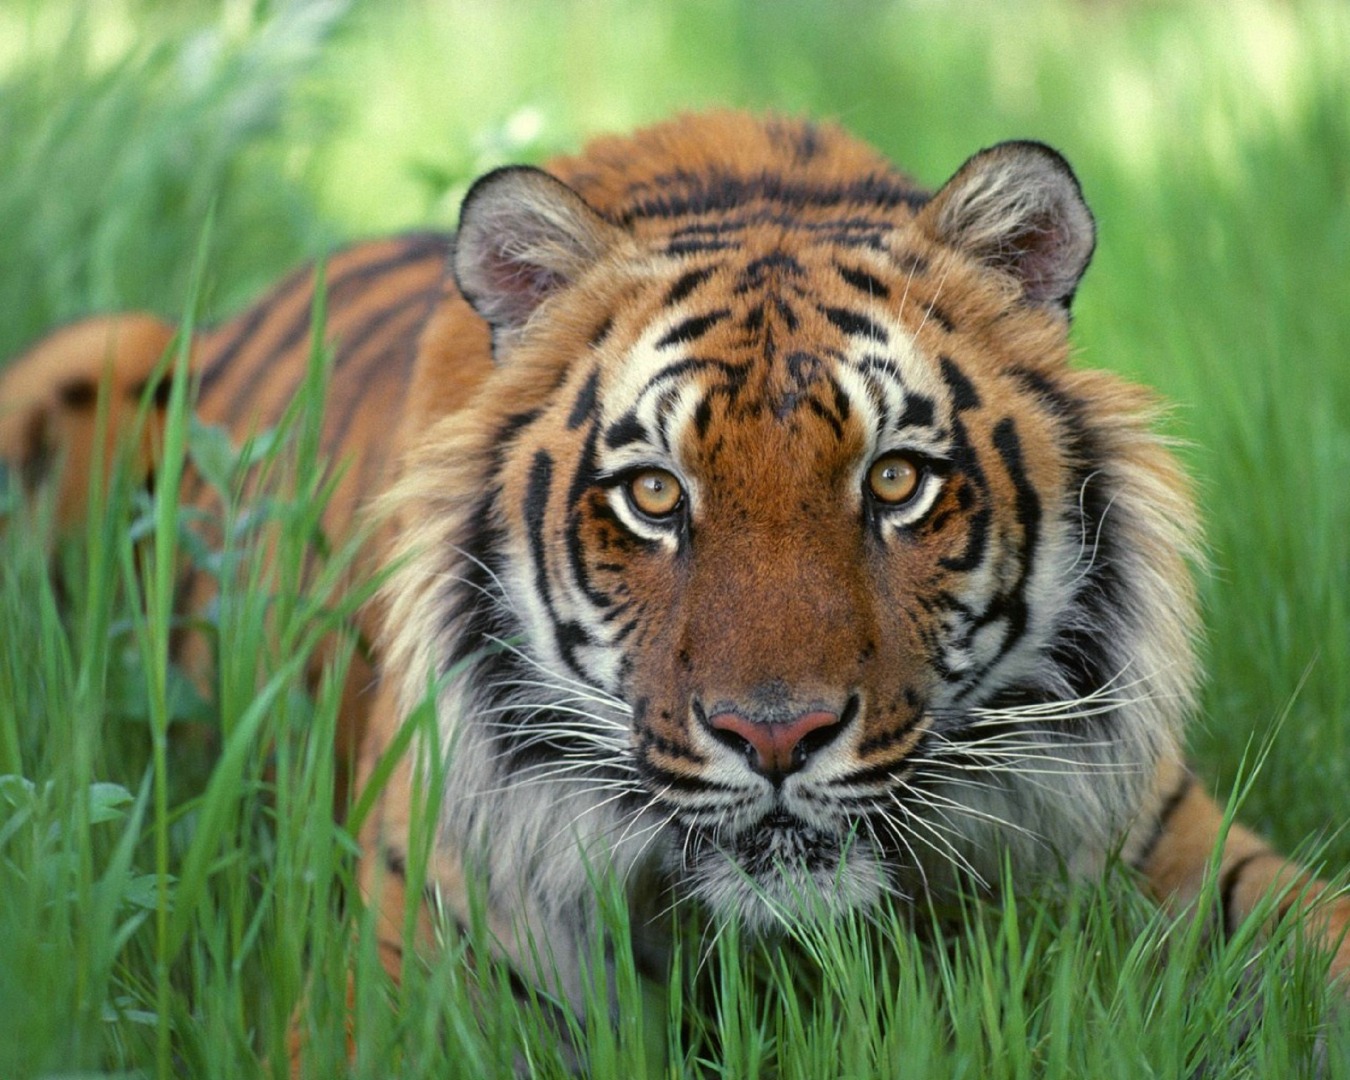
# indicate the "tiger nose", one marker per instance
pixel 775 749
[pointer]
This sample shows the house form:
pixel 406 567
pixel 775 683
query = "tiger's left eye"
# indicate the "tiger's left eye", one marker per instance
pixel 894 479
pixel 655 492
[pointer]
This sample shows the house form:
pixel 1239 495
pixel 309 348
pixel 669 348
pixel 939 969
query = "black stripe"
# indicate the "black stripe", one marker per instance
pixel 584 405
pixel 220 363
pixel 601 332
pixel 534 509
pixel 686 283
pixel 692 328
pixel 933 313
pixel 853 232
pixel 824 413
pixel 1165 812
pixel 697 247
pixel 919 411
pixel 883 364
pixel 1027 508
pixel 799 138
pixel 415 248
pixel 841 402
pixel 702 417
pixel 357 337
pixel 568 636
pixel 975 544
pixel 38 456
pixel 1086 650
pixel 720 192
pixel 964 395
pixel 468 600
pixel 757 272
pixel 972 492
pixel 885 739
pixel 79 394
pixel 163 388
pixel 402 350
pixel 626 429
pixel 1010 606
pixel 735 374
pixel 864 282
pixel 874 774
pixel 1228 884
pixel 584 480
pixel 855 324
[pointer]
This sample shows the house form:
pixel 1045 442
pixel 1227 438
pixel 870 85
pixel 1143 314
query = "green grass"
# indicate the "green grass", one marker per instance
pixel 164 902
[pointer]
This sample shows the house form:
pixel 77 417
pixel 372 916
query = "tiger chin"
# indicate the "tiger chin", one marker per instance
pixel 757 537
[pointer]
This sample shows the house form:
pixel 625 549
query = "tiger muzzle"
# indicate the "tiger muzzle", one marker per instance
pixel 773 747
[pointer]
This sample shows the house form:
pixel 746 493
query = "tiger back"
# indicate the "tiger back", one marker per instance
pixel 379 297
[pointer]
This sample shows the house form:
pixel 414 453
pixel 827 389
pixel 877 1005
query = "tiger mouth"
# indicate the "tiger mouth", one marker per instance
pixel 778 840
pixel 782 839
pixel 781 870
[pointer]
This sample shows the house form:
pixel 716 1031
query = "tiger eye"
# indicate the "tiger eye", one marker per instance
pixel 655 492
pixel 893 479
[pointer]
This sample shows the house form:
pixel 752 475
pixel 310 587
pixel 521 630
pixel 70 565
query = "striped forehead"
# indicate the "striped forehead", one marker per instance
pixel 656 386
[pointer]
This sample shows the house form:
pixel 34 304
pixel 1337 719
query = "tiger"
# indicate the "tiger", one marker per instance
pixel 749 534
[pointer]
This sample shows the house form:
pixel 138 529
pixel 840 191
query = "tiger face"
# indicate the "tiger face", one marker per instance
pixel 813 573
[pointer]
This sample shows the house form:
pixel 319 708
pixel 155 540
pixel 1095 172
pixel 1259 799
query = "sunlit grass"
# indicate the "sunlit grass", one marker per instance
pixel 1212 141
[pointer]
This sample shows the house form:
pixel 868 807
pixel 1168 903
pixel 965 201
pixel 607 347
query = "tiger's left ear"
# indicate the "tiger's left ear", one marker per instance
pixel 1017 207
pixel 523 236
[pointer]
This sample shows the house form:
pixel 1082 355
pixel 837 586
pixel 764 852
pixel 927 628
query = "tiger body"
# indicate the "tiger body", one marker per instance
pixel 760 540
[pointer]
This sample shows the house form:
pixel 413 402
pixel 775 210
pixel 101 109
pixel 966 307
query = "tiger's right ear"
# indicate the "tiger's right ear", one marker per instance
pixel 523 236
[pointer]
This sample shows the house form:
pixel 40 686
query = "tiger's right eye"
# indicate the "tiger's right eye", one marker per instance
pixel 894 479
pixel 655 492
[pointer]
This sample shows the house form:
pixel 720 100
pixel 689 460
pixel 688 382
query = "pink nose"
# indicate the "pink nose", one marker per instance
pixel 778 748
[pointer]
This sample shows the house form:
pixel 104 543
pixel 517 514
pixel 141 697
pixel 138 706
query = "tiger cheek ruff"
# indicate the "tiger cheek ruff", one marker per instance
pixel 758 538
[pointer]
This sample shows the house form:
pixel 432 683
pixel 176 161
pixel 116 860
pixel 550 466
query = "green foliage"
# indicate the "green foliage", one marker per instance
pixel 167 901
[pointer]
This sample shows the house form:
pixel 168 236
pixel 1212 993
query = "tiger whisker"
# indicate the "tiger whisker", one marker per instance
pixel 932 798
pixel 567 694
pixel 948 852
pixel 593 783
pixel 570 825
pixel 937 292
pixel 1097 536
pixel 1055 711
pixel 554 707
pixel 516 651
pixel 566 741
pixel 471 557
pixel 996 761
pixel 1034 753
pixel 598 770
pixel 656 798
pixel 899 833
pixel 652 833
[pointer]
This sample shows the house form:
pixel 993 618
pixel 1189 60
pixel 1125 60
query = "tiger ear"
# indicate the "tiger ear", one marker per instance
pixel 1017 207
pixel 523 235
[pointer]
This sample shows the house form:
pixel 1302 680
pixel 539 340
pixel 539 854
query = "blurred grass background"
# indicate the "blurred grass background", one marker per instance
pixel 1212 140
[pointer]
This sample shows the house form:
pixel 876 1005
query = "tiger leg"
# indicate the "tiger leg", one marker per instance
pixel 544 951
pixel 381 873
pixel 1176 854
pixel 49 398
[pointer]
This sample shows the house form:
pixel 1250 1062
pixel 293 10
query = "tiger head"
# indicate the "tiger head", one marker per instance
pixel 782 553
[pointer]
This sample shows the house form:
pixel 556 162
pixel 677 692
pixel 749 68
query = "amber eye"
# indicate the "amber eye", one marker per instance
pixel 655 492
pixel 894 479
